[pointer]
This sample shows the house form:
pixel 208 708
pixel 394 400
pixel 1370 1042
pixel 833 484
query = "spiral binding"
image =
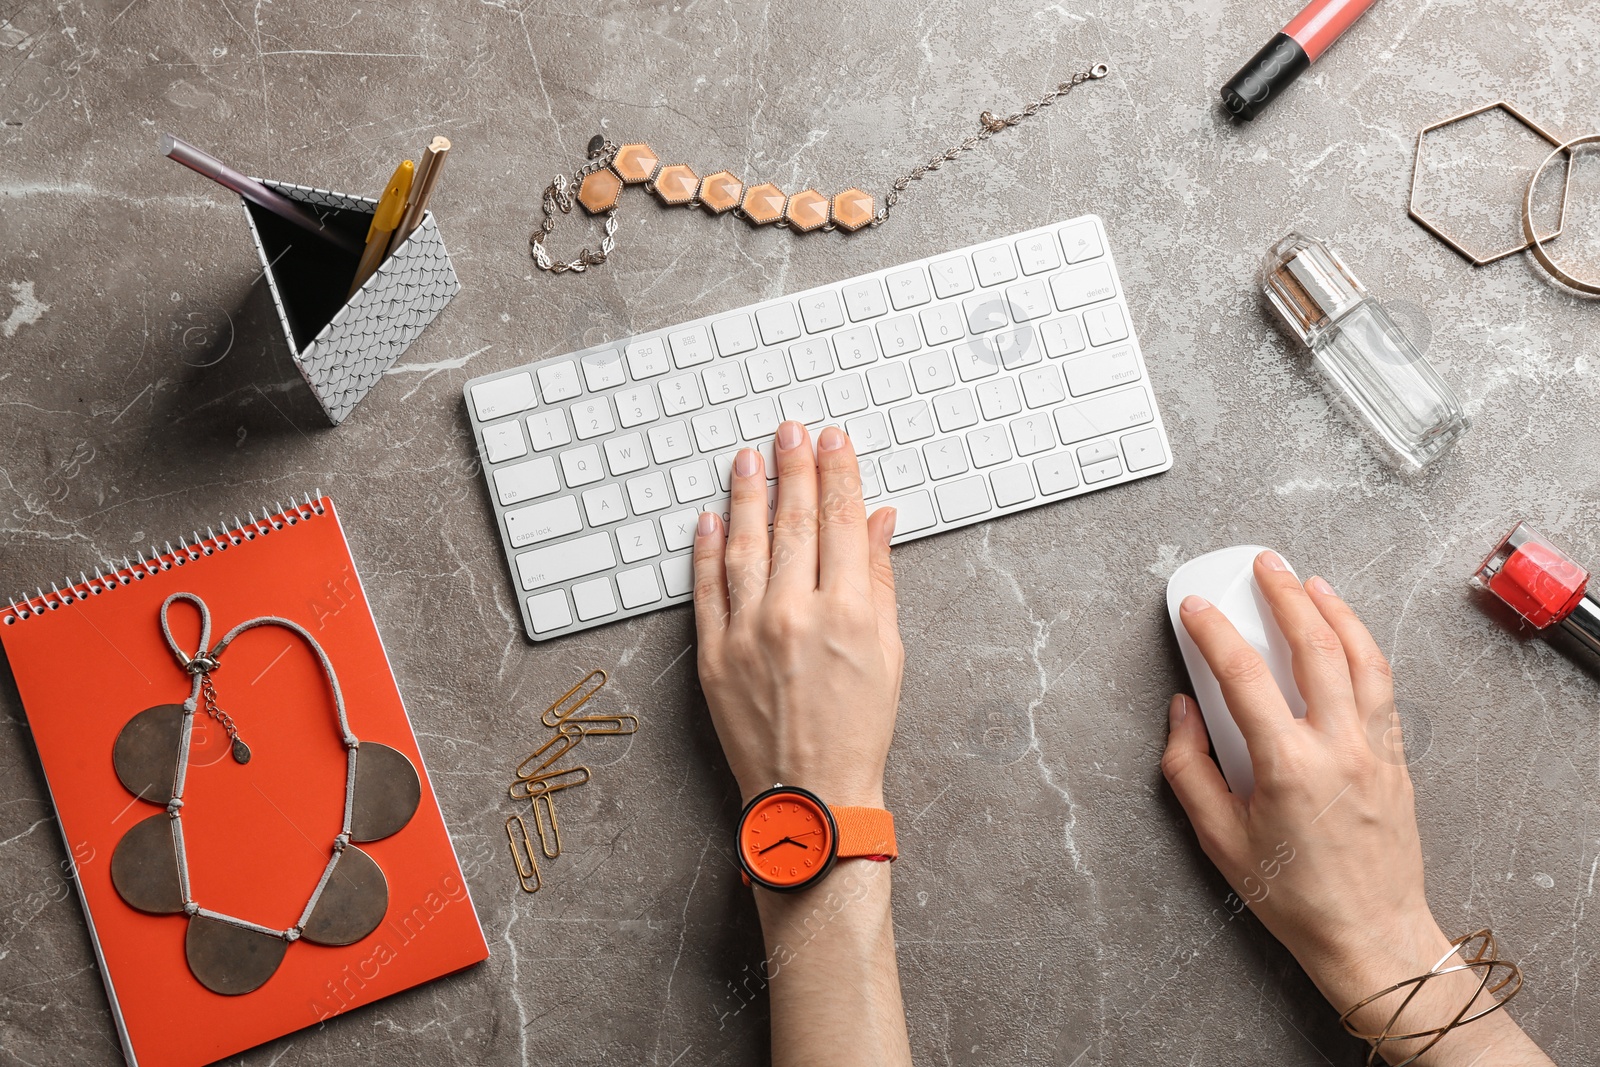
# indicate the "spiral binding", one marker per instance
pixel 110 576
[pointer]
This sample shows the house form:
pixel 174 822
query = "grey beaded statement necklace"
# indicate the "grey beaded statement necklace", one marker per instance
pixel 150 865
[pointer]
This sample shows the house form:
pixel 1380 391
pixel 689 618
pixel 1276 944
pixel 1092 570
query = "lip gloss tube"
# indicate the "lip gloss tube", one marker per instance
pixel 1302 42
pixel 1542 584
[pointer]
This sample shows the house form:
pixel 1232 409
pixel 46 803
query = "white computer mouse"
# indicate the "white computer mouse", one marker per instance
pixel 1225 578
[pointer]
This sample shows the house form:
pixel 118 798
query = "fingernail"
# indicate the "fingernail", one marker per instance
pixel 888 524
pixel 707 524
pixel 1273 562
pixel 1320 584
pixel 832 438
pixel 746 462
pixel 789 435
pixel 1192 604
pixel 1178 709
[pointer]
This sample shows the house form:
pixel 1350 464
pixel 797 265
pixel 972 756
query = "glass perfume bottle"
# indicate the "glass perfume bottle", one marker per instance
pixel 1374 368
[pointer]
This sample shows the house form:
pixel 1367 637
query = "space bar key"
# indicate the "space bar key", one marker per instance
pixel 568 560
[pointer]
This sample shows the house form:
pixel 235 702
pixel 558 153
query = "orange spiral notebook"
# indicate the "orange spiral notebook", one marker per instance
pixel 258 835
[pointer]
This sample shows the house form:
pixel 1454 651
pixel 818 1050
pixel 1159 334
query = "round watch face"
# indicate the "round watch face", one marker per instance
pixel 787 839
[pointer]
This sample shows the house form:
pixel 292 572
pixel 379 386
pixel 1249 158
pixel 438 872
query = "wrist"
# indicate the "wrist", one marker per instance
pixel 1358 966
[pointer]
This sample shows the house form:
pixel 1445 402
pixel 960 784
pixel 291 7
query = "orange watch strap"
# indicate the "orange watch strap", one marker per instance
pixel 865 832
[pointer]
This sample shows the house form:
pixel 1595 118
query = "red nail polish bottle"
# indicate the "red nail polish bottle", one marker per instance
pixel 1542 584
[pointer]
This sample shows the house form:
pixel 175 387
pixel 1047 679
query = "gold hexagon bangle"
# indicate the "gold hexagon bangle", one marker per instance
pixel 1457 246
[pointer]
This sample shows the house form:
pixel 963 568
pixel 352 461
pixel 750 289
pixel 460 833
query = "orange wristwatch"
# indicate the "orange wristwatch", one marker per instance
pixel 788 838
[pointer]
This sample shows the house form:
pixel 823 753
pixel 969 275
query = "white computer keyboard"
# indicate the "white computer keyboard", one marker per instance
pixel 972 384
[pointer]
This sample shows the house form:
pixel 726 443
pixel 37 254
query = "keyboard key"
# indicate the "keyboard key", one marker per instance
pixel 889 383
pixel 811 359
pixel 821 311
pixel 1017 348
pixel 908 288
pixel 548 429
pixel 1102 370
pixel 670 441
pixel 581 466
pixel 1081 241
pixel 691 347
pixel 602 370
pixel 1030 300
pixel 1105 470
pixel 1032 434
pixel 951 277
pixel 503 396
pixel 998 398
pixel 648 493
pixel 723 382
pixel 870 485
pixel 962 499
pixel 1096 453
pixel 677 575
pixel 801 405
pixel 901 470
pixel 713 430
pixel 975 359
pixel 549 611
pixel 988 445
pixel 1056 473
pixel 1103 414
pixel 758 418
pixel 559 381
pixel 679 394
pixel 945 457
pixel 767 370
pixel 911 422
pixel 504 441
pixel 638 587
pixel 942 323
pixel 915 512
pixel 869 433
pixel 1042 386
pixel 735 336
pixel 1062 337
pixel 932 371
pixel 955 410
pixel 593 599
pixel 846 395
pixel 995 265
pixel 693 481
pixel 777 323
pixel 1037 254
pixel 1083 285
pixel 899 335
pixel 636 406
pixel 677 529
pixel 1011 485
pixel 1143 449
pixel 591 418
pixel 543 522
pixel 986 312
pixel 854 347
pixel 565 561
pixel 638 541
pixel 526 481
pixel 603 504
pixel 626 454
pixel 1105 324
pixel 863 299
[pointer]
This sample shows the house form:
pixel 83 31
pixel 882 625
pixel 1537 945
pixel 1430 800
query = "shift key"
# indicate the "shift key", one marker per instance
pixel 568 560
pixel 1102 370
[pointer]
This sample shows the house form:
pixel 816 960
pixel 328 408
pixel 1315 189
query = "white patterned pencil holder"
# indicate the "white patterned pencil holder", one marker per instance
pixel 343 347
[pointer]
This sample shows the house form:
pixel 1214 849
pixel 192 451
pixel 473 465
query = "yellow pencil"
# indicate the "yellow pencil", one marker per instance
pixel 387 216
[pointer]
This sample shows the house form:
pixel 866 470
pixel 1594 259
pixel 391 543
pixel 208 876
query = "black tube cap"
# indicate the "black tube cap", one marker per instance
pixel 1266 75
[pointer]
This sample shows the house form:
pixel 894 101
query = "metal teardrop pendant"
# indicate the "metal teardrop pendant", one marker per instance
pixel 241 751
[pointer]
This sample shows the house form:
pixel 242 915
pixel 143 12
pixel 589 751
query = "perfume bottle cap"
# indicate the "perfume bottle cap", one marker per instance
pixel 1533 577
pixel 1308 284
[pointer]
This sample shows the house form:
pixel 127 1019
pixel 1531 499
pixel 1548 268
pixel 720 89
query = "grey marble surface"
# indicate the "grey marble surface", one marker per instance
pixel 1051 905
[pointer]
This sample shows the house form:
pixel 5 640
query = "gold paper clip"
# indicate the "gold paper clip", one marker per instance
pixel 604 725
pixel 570 734
pixel 558 711
pixel 527 873
pixel 555 828
pixel 549 782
